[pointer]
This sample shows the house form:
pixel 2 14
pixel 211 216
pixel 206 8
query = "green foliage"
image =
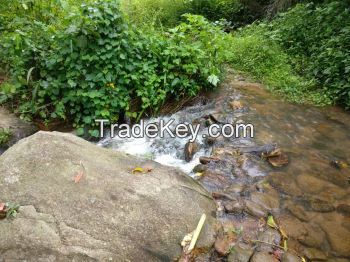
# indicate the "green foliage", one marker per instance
pixel 5 136
pixel 317 37
pixel 265 60
pixel 11 210
pixel 166 13
pixel 215 10
pixel 94 65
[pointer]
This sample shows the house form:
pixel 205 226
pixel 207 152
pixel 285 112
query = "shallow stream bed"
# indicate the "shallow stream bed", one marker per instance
pixel 309 198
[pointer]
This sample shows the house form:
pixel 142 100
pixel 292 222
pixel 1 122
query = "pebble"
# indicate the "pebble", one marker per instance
pixel 263 257
pixel 255 209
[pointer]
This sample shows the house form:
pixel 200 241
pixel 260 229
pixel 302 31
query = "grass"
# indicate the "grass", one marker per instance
pixel 264 60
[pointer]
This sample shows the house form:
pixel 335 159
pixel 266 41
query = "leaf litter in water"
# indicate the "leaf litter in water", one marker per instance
pixel 271 222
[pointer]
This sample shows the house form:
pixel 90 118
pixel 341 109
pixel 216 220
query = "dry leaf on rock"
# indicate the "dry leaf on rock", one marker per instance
pixel 138 170
pixel 2 206
pixel 78 176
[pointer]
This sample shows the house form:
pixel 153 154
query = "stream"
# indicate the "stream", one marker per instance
pixel 309 198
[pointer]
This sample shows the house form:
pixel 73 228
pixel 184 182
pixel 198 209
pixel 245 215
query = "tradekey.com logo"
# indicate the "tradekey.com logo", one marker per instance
pixel 164 128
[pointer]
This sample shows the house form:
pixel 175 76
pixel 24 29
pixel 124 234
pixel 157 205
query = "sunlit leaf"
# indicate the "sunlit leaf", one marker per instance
pixel 138 170
pixel 271 222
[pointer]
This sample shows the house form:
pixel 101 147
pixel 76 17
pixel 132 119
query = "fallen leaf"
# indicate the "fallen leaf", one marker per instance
pixel 284 235
pixel 236 105
pixel 285 247
pixel 78 176
pixel 271 222
pixel 198 174
pixel 2 206
pixel 303 259
pixel 138 170
pixel 278 161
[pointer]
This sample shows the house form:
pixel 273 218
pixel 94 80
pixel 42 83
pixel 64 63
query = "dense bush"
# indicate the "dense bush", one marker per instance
pixel 317 37
pixel 168 13
pixel 99 67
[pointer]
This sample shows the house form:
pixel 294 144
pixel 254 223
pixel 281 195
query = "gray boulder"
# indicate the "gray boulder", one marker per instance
pixel 110 214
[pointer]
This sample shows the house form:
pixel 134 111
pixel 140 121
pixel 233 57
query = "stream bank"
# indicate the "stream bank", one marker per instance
pixel 307 195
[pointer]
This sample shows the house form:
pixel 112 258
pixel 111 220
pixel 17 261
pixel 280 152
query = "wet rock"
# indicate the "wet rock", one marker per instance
pixel 206 160
pixel 338 260
pixel 297 211
pixel 320 205
pixel 310 184
pixel 338 237
pixel 344 209
pixel 101 217
pixel 222 245
pixel 289 257
pixel 201 258
pixel 239 254
pixel 263 257
pixel 255 209
pixel 263 151
pixel 234 207
pixel 210 140
pixel 216 118
pixel 308 234
pixel 235 189
pixel 269 236
pixel 215 179
pixel 313 237
pixel 269 202
pixel 199 168
pixel 18 128
pixel 285 183
pixel 315 254
pixel 190 149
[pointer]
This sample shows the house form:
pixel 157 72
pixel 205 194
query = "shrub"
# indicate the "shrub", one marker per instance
pixel 165 13
pixel 317 37
pixel 5 136
pixel 100 67
pixel 168 13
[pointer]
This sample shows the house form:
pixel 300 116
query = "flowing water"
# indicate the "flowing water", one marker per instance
pixel 309 197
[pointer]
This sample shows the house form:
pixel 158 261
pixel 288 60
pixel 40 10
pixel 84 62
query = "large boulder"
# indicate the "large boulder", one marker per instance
pixel 110 214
